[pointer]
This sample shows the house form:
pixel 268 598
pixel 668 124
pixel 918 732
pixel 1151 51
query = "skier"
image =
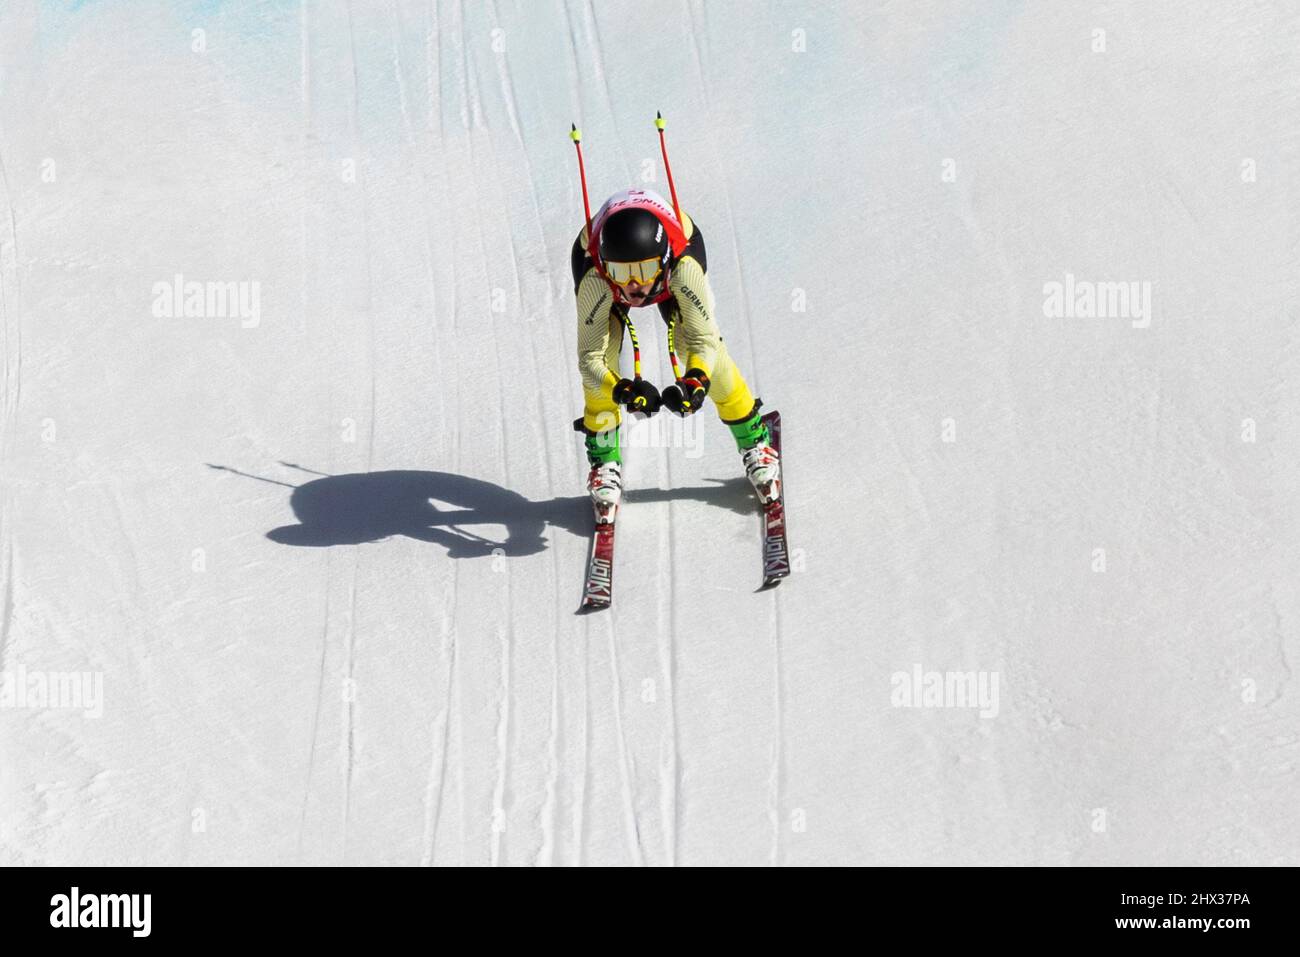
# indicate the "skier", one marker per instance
pixel 635 253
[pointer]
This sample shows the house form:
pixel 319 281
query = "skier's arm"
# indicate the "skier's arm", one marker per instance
pixel 594 301
pixel 699 330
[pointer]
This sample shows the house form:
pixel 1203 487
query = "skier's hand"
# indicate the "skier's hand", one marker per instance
pixel 688 394
pixel 639 396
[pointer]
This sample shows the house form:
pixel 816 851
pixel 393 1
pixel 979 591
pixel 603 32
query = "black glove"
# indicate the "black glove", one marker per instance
pixel 688 394
pixel 639 396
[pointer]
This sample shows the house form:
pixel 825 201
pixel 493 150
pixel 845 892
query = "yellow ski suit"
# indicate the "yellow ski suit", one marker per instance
pixel 696 335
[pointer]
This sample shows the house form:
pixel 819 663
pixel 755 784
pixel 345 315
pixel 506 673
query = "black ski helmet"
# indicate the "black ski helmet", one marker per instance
pixel 633 235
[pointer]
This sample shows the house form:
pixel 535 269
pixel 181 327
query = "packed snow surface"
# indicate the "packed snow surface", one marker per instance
pixel 293 522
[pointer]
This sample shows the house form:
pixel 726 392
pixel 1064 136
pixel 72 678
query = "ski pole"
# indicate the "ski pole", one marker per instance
pixel 636 346
pixel 639 403
pixel 663 148
pixel 576 135
pixel 672 354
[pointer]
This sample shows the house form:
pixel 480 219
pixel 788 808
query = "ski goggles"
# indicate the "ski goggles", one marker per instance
pixel 645 272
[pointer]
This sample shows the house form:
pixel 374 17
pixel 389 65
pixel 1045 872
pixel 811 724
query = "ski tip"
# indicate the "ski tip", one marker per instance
pixel 589 607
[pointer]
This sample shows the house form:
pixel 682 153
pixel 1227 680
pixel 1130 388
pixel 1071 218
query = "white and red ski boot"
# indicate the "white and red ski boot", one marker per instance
pixel 763 467
pixel 605 483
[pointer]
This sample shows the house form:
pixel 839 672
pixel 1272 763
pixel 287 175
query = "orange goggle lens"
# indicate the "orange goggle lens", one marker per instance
pixel 645 272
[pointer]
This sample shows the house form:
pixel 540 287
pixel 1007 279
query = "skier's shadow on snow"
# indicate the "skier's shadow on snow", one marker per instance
pixel 464 515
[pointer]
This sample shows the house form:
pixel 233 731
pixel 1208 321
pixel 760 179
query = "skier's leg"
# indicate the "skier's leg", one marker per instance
pixel 600 413
pixel 736 405
pixel 599 422
pixel 739 410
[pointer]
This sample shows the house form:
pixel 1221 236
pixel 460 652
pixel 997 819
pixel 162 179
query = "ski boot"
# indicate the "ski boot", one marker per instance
pixel 605 483
pixel 763 468
pixel 762 463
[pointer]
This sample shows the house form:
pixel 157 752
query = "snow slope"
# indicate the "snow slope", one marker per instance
pixel 326 559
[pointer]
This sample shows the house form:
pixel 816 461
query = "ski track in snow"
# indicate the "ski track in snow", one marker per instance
pixel 11 312
pixel 745 312
pixel 397 685
pixel 12 357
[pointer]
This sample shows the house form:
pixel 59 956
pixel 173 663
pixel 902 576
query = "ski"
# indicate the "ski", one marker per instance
pixel 776 551
pixel 599 590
